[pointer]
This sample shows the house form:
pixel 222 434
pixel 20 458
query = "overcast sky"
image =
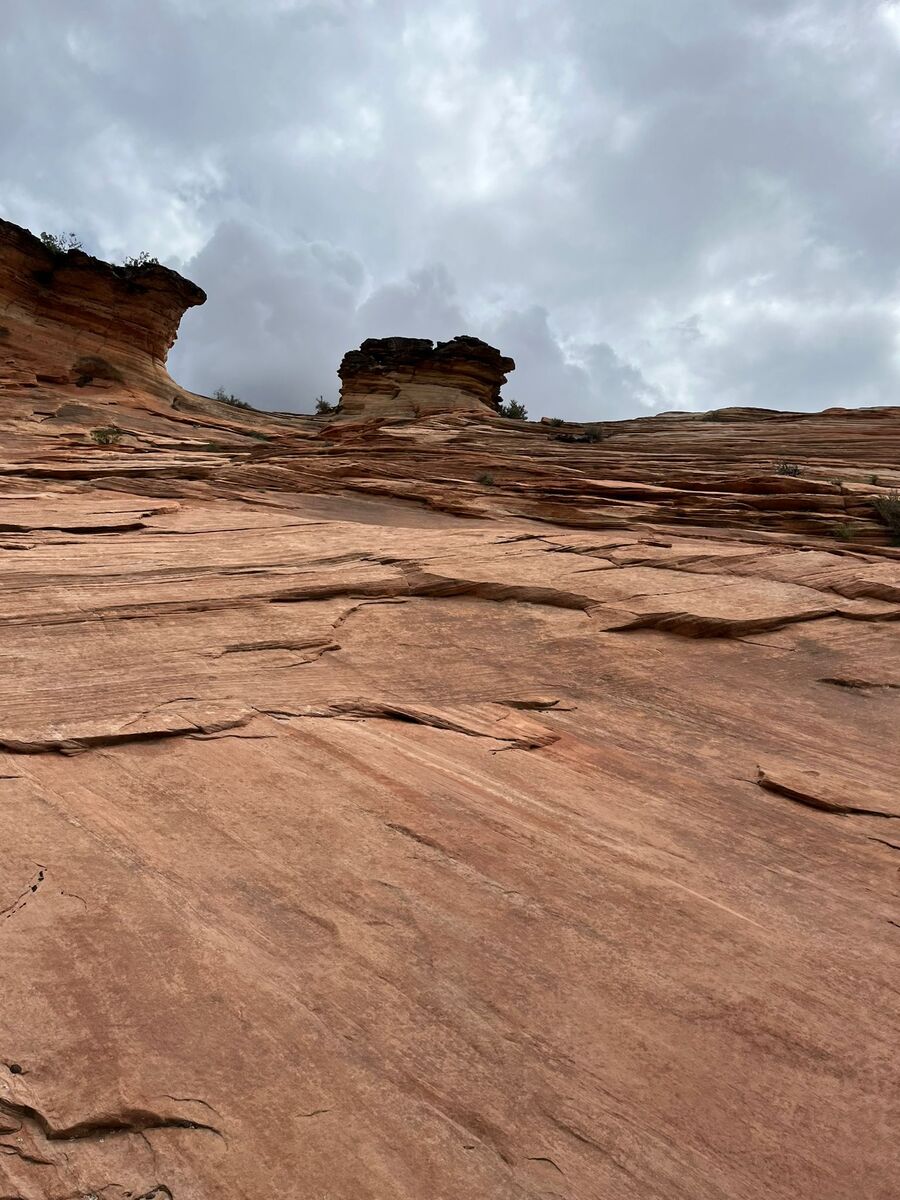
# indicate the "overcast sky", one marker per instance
pixel 649 204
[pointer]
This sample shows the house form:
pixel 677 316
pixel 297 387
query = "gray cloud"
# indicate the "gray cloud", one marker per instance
pixel 650 204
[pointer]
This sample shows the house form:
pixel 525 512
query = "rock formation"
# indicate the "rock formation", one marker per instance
pixel 445 808
pixel 83 344
pixel 413 377
pixel 68 318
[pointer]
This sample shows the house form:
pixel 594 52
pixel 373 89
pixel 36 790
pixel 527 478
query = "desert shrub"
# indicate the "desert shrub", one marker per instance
pixel 555 421
pixel 90 367
pixel 513 410
pixel 788 468
pixel 323 408
pixel 61 243
pixel 107 435
pixel 844 532
pixel 873 479
pixel 591 433
pixel 485 478
pixel 887 508
pixel 143 259
pixel 230 399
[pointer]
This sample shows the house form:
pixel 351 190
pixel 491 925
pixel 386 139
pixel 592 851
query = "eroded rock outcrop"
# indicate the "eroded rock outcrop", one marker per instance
pixel 413 377
pixel 83 345
pixel 70 318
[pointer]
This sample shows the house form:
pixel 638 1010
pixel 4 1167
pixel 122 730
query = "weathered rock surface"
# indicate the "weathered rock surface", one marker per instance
pixel 83 344
pixel 68 318
pixel 413 377
pixel 371 831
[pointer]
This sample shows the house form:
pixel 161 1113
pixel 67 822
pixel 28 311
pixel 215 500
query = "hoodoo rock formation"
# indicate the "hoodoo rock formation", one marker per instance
pixel 71 318
pixel 413 377
pixel 445 807
pixel 83 344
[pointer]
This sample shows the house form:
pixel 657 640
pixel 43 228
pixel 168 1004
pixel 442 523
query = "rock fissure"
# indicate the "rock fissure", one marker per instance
pixel 136 1120
pixel 22 899
pixel 483 722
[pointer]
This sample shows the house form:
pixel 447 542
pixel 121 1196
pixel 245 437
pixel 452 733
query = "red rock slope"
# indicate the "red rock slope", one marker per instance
pixel 369 830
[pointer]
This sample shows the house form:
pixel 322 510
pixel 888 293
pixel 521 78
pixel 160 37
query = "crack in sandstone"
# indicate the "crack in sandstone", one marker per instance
pixel 130 1120
pixel 814 798
pixel 22 899
pixel 360 709
pixel 586 1140
pixel 75 743
pixel 856 684
pixel 24 527
pixel 542 1158
pixel 419 584
pixel 9 1150
pixel 320 644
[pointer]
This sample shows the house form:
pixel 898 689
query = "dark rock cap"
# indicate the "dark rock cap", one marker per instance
pixel 386 354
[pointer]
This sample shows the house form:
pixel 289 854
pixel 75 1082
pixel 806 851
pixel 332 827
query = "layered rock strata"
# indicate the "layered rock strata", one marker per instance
pixel 68 318
pixel 83 344
pixel 413 377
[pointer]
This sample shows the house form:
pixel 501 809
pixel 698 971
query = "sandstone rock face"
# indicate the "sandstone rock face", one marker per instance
pixel 83 345
pixel 70 318
pixel 439 808
pixel 413 377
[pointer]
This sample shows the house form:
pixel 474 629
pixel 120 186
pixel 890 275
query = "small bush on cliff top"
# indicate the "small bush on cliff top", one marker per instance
pixel 228 398
pixel 513 410
pixel 144 259
pixel 888 509
pixel 323 408
pixel 61 243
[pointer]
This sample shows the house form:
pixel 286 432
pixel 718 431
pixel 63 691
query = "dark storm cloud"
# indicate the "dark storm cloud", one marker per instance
pixel 650 204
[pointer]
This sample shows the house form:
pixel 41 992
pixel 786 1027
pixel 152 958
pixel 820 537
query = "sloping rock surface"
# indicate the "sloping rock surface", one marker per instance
pixel 369 830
